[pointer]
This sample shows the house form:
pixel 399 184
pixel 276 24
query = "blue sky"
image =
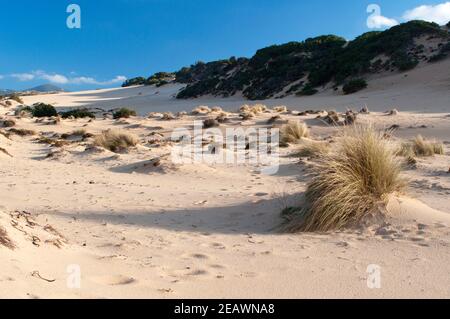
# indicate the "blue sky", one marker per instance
pixel 127 38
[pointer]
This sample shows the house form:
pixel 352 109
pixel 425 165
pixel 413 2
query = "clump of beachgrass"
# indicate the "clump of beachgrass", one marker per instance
pixel 420 147
pixel 293 132
pixel 116 140
pixel 253 109
pixel 280 109
pixel 21 132
pixel 350 183
pixel 5 240
pixel 201 110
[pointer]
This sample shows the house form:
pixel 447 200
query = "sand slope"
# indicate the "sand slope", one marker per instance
pixel 209 231
pixel 424 89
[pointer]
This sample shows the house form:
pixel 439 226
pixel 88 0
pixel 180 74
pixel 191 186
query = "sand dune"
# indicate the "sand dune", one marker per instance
pixel 423 90
pixel 136 225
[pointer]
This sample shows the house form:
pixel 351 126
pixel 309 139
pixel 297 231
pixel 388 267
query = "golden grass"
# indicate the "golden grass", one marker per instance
pixel 201 110
pixel 350 183
pixel 293 132
pixel 312 149
pixel 116 140
pixel 420 147
pixel 253 109
pixel 280 109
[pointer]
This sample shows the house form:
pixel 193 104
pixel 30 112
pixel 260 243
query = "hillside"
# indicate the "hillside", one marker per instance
pixel 304 68
pixel 46 88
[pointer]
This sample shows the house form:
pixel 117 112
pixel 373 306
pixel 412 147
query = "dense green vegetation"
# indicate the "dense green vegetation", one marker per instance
pixel 354 86
pixel 157 79
pixel 134 81
pixel 123 113
pixel 309 64
pixel 78 113
pixel 43 110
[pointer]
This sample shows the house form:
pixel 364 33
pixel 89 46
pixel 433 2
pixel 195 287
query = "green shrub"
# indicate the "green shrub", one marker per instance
pixel 354 86
pixel 307 90
pixel 124 113
pixel 134 81
pixel 78 113
pixel 43 110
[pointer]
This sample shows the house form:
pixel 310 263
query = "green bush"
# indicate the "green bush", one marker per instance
pixel 307 90
pixel 124 113
pixel 78 113
pixel 134 81
pixel 354 86
pixel 43 110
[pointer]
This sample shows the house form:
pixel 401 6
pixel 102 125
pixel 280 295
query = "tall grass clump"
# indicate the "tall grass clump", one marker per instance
pixel 420 147
pixel 349 183
pixel 293 132
pixel 116 140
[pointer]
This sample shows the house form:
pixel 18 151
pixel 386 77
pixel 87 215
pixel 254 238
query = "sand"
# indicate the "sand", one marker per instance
pixel 135 230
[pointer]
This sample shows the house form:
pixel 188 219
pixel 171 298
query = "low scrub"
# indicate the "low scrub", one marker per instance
pixel 78 113
pixel 43 110
pixel 21 132
pixel 354 86
pixel 116 140
pixel 5 240
pixel 349 184
pixel 124 113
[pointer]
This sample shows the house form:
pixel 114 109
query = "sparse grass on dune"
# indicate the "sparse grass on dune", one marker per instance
pixel 253 109
pixel 124 113
pixel 312 149
pixel 201 110
pixel 350 183
pixel 293 131
pixel 116 140
pixel 5 240
pixel 420 147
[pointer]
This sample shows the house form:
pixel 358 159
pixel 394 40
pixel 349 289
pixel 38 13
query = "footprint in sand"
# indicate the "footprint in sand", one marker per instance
pixel 115 280
pixel 199 256
pixel 198 272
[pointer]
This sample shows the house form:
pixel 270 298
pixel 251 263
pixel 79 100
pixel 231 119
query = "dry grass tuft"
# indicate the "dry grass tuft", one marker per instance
pixel 349 184
pixel 201 110
pixel 9 123
pixel 293 132
pixel 253 109
pixel 116 140
pixel 22 132
pixel 5 240
pixel 312 149
pixel 280 109
pixel 420 147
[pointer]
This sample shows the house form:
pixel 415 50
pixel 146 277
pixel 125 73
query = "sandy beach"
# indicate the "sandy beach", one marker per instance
pixel 136 225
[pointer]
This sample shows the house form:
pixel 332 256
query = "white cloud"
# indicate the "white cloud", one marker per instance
pixel 2 77
pixel 439 13
pixel 380 22
pixel 53 78
pixel 62 79
pixel 23 77
pixel 89 80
